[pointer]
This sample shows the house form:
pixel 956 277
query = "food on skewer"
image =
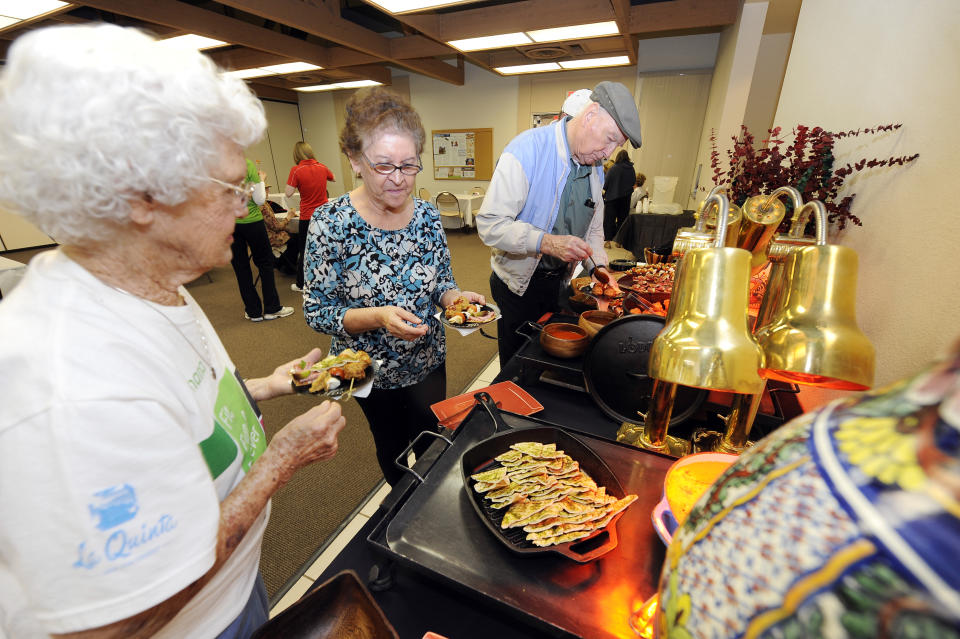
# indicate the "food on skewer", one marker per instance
pixel 331 372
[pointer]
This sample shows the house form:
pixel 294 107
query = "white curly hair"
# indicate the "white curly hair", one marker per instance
pixel 94 116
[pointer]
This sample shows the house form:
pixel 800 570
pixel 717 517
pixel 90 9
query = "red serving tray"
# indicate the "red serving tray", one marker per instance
pixel 507 396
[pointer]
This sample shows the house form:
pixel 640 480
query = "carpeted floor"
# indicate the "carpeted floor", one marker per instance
pixel 310 508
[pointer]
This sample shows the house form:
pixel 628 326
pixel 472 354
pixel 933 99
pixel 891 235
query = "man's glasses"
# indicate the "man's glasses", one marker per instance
pixel 244 191
pixel 385 168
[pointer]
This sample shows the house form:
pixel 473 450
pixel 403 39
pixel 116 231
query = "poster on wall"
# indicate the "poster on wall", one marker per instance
pixel 462 154
pixel 454 149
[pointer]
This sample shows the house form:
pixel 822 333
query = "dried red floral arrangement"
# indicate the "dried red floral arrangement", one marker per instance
pixel 807 163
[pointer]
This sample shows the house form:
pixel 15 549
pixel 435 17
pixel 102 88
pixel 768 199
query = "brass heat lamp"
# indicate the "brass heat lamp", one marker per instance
pixel 806 325
pixel 705 341
pixel 702 233
pixel 762 215
pixel 812 337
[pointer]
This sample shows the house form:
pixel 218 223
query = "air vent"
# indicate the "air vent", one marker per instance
pixel 550 52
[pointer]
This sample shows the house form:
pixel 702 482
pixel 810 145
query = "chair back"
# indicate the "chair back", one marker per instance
pixel 663 189
pixel 424 194
pixel 448 202
pixel 661 197
pixel 477 190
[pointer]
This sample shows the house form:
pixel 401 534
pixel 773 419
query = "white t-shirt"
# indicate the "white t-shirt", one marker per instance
pixel 116 447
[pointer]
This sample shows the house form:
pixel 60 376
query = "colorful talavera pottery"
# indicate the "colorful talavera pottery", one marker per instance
pixel 845 523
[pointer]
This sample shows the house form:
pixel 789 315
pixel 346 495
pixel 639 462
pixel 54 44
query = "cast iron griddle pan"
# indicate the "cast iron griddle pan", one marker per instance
pixel 480 457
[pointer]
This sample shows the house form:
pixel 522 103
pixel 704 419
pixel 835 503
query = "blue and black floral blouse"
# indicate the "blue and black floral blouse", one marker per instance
pixel 350 264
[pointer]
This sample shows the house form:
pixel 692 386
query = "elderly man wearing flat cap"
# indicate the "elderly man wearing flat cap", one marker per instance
pixel 543 211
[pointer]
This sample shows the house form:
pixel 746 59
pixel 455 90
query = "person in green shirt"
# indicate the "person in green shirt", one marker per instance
pixel 250 240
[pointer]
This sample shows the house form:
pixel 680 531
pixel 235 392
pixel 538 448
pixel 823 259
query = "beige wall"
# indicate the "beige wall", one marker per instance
pixel 767 79
pixel 486 100
pixel 320 117
pixel 274 152
pixel 852 66
pixel 730 88
pixel 671 113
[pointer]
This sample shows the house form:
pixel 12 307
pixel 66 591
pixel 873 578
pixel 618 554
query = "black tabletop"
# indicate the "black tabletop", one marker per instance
pixel 415 603
pixel 647 230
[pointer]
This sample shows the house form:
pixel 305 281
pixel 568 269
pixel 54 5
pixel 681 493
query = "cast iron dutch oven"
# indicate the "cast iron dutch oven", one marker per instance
pixel 480 457
pixel 615 371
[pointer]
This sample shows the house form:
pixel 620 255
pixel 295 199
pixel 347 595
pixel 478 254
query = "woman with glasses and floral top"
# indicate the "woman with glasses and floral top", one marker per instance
pixel 377 266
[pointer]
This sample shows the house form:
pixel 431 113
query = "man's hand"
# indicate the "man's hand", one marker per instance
pixel 568 248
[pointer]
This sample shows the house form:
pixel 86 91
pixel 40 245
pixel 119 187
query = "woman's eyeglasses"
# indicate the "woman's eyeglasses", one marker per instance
pixel 385 168
pixel 244 191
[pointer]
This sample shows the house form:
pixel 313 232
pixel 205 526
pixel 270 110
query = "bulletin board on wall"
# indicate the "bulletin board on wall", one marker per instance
pixel 462 154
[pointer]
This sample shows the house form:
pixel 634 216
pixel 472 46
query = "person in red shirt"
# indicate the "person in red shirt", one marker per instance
pixel 310 178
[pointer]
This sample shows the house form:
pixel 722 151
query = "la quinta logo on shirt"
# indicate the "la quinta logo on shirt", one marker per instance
pixel 114 510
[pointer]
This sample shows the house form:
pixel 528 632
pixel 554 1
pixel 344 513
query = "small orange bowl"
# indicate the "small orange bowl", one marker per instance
pixel 564 340
pixel 690 477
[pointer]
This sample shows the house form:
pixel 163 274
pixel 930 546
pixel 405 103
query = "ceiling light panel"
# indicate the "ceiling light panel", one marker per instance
pixel 353 84
pixel 491 42
pixel 589 63
pixel 408 6
pixel 575 32
pixel 193 41
pixel 26 9
pixel 528 68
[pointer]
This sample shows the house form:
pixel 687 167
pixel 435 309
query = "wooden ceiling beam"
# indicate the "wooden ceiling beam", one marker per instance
pixel 437 69
pixel 267 91
pixel 317 21
pixel 527 15
pixel 326 24
pixel 243 58
pixel 621 8
pixel 417 46
pixel 214 25
pixel 679 15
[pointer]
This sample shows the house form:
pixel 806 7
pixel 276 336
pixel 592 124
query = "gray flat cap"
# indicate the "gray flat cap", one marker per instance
pixel 618 102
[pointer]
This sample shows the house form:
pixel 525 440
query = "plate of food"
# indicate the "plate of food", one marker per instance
pixel 336 376
pixel 465 314
pixel 596 289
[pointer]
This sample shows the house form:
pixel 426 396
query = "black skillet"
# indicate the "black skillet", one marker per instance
pixel 480 457
pixel 615 371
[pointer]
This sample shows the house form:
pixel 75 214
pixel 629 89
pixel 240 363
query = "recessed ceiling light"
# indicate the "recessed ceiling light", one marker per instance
pixel 24 10
pixel 406 6
pixel 356 84
pixel 192 41
pixel 352 84
pixel 575 32
pixel 588 63
pixel 491 42
pixel 528 68
pixel 273 69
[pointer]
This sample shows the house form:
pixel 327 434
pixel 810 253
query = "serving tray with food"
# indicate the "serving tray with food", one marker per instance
pixel 336 376
pixel 653 281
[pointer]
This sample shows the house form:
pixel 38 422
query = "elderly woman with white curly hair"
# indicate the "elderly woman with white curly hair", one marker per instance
pixel 135 476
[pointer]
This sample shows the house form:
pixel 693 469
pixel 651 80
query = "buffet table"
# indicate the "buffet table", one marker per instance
pixel 452 589
pixel 647 230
